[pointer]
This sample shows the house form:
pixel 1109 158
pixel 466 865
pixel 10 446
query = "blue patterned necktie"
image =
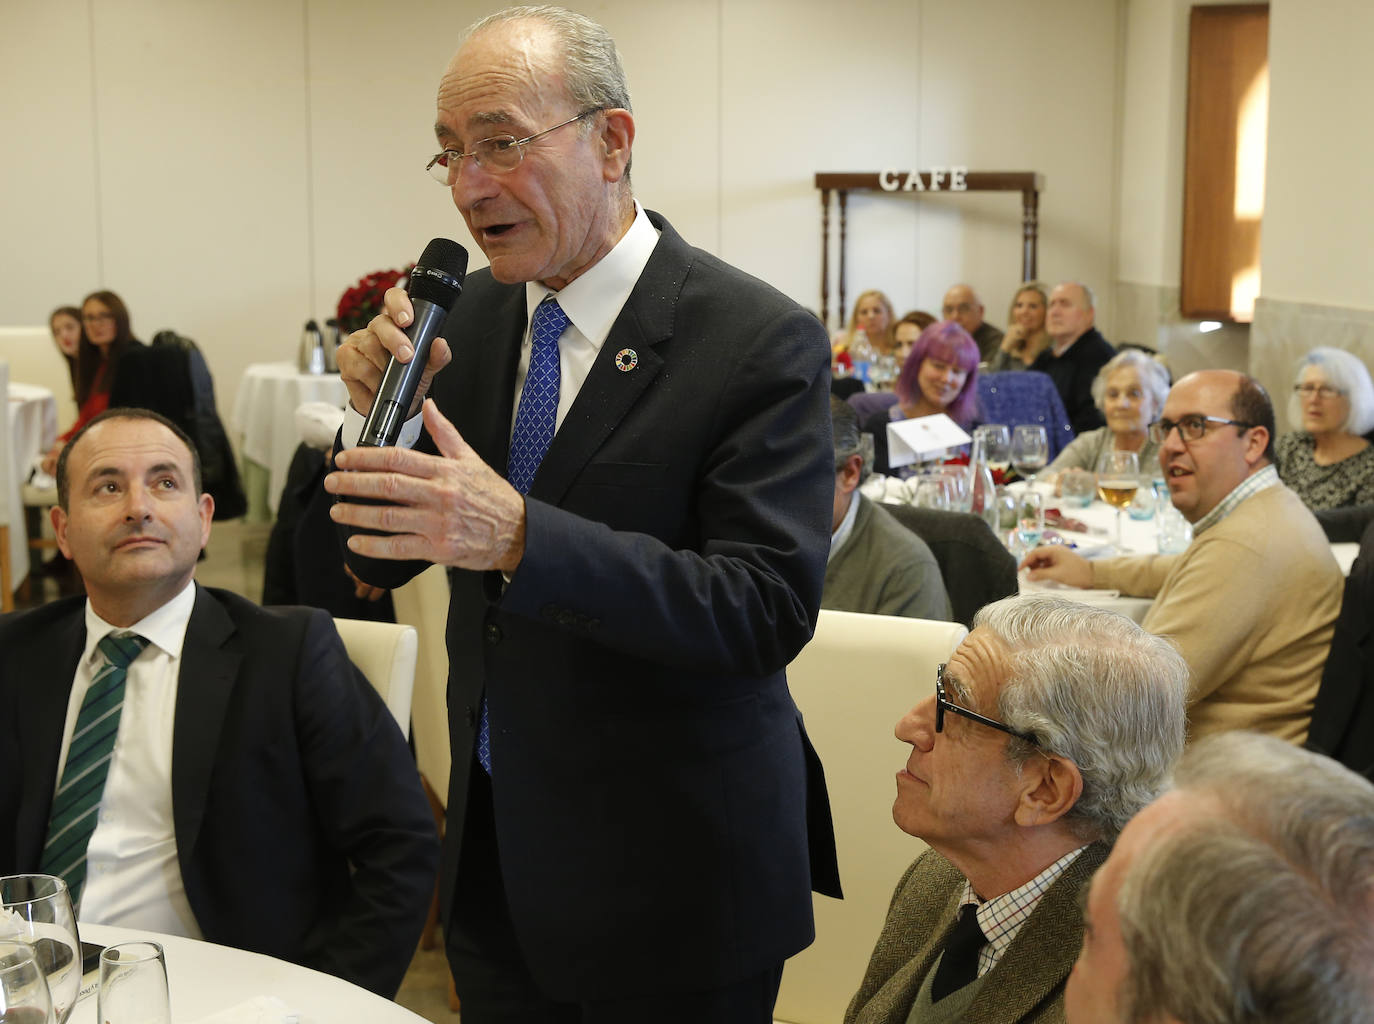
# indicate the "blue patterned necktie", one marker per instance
pixel 535 419
pixel 76 803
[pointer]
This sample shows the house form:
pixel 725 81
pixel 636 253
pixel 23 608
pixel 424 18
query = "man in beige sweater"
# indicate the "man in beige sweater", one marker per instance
pixel 1253 601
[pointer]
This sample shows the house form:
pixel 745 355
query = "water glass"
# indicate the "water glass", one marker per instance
pixel 1030 518
pixel 133 985
pixel 931 492
pixel 1030 449
pixel 37 910
pixel 1173 533
pixel 1078 487
pixel 957 488
pixel 996 446
pixel 24 997
pixel 1143 505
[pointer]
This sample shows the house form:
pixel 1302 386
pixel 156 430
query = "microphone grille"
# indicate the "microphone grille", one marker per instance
pixel 438 276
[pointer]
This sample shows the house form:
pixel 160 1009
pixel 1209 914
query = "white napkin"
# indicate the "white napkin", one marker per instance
pixel 1083 594
pixel 259 1010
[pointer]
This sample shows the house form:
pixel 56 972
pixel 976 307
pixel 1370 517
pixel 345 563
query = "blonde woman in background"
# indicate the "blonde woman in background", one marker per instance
pixel 874 316
pixel 1025 338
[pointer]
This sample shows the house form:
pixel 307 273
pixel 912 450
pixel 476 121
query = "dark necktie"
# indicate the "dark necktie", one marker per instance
pixel 959 962
pixel 534 425
pixel 76 803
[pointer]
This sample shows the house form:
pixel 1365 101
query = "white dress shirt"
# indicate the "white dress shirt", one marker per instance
pixel 132 875
pixel 592 302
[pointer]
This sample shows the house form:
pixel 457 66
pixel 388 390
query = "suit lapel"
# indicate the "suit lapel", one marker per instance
pixel 610 391
pixel 496 359
pixel 43 709
pixel 209 668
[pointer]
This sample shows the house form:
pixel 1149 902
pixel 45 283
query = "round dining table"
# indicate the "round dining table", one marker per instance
pixel 205 980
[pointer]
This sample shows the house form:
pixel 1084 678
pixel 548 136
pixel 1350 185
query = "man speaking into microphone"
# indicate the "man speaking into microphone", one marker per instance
pixel 627 460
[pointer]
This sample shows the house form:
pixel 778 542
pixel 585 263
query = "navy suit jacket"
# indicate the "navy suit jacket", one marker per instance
pixel 301 828
pixel 660 813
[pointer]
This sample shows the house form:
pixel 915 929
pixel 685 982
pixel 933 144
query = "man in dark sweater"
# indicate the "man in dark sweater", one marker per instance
pixel 1078 353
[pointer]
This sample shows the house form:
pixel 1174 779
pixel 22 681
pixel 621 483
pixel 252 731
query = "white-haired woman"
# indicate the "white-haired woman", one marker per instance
pixel 1327 463
pixel 1130 390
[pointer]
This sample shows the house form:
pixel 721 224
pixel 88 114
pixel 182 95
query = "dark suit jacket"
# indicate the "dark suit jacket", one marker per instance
pixel 660 813
pixel 1027 984
pixel 301 828
pixel 1073 374
pixel 1343 718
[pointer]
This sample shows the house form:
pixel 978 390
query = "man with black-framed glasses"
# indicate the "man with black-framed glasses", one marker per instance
pixel 1252 602
pixel 1052 724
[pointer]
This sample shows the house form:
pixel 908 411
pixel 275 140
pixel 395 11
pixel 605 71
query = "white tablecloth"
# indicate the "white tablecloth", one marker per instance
pixel 264 415
pixel 33 429
pixel 204 978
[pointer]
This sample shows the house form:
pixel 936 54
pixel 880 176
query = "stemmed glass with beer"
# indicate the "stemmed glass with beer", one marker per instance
pixel 1118 478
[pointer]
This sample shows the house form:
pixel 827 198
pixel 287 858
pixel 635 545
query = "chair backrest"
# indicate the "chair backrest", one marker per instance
pixel 852 682
pixel 866 403
pixel 975 566
pixel 385 653
pixel 1024 396
pixel 12 555
pixel 34 359
pixel 423 603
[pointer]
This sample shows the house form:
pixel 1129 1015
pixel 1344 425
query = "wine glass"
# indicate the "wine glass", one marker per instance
pixel 996 446
pixel 24 997
pixel 133 985
pixel 1030 518
pixel 931 492
pixel 37 909
pixel 1030 450
pixel 1118 478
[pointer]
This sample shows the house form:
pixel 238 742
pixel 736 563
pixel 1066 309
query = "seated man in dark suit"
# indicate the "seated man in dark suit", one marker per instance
pixel 876 565
pixel 1243 895
pixel 189 762
pixel 1078 351
pixel 1052 724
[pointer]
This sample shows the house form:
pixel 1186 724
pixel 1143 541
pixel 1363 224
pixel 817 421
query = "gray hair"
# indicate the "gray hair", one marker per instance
pixel 1093 687
pixel 591 63
pixel 1154 379
pixel 1263 910
pixel 1347 374
pixel 849 440
pixel 1088 295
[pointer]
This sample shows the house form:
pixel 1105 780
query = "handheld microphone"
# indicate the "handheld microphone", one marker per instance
pixel 435 284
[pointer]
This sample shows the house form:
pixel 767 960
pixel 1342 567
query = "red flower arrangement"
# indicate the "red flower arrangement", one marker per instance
pixel 359 304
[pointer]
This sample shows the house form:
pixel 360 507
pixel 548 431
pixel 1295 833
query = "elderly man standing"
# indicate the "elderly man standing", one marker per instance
pixel 628 464
pixel 964 307
pixel 1252 603
pixel 876 565
pixel 1078 352
pixel 1052 724
pixel 1244 895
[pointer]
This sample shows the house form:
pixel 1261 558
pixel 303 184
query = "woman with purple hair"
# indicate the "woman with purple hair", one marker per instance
pixel 939 376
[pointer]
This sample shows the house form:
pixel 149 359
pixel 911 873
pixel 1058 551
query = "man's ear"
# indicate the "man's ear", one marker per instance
pixel 1050 787
pixel 617 137
pixel 850 472
pixel 1255 444
pixel 59 529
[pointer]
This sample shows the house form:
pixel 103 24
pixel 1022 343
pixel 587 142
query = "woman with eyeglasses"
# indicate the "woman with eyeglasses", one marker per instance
pixel 1327 463
pixel 106 337
pixel 1130 390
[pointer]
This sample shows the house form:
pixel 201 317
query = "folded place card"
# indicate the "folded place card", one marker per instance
pixel 917 439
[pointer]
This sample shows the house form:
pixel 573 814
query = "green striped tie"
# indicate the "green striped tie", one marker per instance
pixel 76 803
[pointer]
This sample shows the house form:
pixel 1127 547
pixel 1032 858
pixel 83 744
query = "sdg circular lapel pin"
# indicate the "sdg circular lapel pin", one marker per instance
pixel 626 360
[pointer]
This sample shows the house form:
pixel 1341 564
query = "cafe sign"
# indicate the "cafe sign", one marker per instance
pixel 937 179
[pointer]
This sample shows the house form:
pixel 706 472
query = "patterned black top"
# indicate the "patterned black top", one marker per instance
pixel 1348 482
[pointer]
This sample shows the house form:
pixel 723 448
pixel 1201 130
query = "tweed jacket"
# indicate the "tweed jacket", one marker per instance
pixel 1027 984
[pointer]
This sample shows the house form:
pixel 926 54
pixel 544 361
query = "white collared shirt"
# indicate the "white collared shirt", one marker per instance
pixel 592 302
pixel 841 535
pixel 132 874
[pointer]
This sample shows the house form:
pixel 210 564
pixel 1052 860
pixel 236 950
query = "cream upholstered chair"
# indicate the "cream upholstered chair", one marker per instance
pixel 385 653
pixel 423 603
pixel 852 682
